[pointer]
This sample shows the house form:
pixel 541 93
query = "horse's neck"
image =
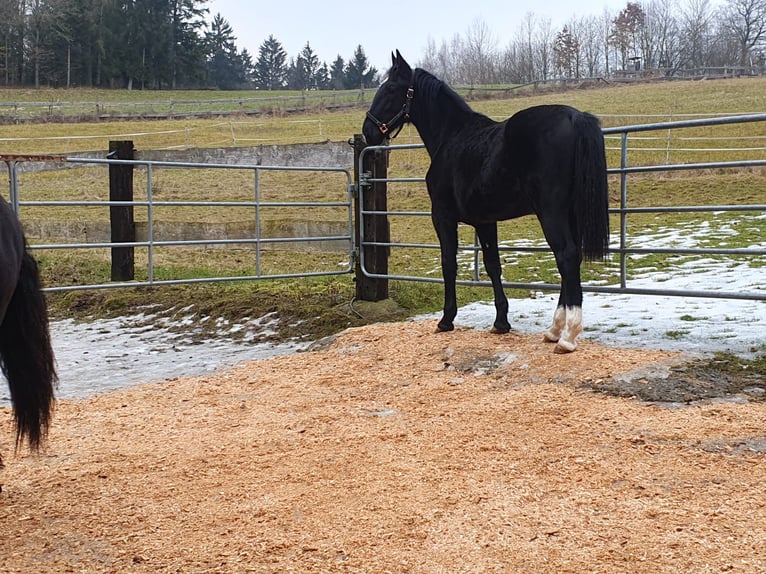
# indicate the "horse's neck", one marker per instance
pixel 436 115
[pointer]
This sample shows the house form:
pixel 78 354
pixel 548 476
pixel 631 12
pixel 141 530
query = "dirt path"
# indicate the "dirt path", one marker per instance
pixel 393 449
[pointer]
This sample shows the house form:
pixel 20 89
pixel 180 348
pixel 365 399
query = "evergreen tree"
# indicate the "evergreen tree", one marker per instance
pixel 294 75
pixel 270 68
pixel 186 51
pixel 116 43
pixel 323 77
pixel 69 50
pixel 226 67
pixel 338 74
pixel 247 65
pixel 142 45
pixel 303 70
pixel 358 73
pixel 309 67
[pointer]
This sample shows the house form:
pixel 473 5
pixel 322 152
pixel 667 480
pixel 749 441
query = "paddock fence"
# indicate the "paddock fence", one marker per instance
pixel 274 102
pixel 362 236
pixel 623 247
pixel 127 234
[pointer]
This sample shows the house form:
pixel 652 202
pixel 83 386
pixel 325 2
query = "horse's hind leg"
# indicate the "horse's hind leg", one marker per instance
pixel 559 320
pixel 567 319
pixel 488 239
pixel 568 262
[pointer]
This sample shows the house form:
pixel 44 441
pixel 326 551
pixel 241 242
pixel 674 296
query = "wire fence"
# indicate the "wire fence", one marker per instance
pixel 665 146
pixel 62 110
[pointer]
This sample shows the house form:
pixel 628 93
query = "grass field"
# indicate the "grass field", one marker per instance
pixel 616 105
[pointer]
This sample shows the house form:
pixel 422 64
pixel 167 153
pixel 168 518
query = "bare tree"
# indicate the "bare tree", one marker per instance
pixel 525 51
pixel 746 21
pixel 660 35
pixel 696 33
pixel 479 53
pixel 529 56
pixel 606 16
pixel 544 48
pixel 430 60
pixel 443 61
pixel 589 31
pixel 506 65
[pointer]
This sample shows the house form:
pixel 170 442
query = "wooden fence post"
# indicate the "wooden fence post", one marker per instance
pixel 121 217
pixel 371 228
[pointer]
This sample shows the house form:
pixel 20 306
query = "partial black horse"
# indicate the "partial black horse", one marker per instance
pixel 546 160
pixel 26 356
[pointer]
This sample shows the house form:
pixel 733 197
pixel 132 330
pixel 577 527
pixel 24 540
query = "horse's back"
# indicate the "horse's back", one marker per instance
pixel 541 145
pixel 491 171
pixel 546 129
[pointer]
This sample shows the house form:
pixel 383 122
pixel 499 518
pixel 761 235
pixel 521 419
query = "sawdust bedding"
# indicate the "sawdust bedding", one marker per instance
pixel 392 449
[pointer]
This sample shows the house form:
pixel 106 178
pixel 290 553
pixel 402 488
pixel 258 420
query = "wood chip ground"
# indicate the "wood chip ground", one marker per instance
pixel 392 449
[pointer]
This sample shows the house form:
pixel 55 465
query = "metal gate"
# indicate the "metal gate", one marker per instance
pixel 621 245
pixel 257 241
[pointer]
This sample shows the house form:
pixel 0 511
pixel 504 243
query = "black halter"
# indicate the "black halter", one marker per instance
pixel 403 115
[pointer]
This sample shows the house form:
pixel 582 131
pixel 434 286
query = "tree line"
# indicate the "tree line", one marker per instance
pixel 171 44
pixel 152 44
pixel 663 35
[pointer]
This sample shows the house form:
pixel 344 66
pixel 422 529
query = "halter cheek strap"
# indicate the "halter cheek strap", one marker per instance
pixel 403 115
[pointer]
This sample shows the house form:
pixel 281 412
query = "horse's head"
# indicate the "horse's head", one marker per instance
pixel 390 108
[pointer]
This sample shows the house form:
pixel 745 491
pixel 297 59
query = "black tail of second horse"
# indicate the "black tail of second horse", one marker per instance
pixel 27 356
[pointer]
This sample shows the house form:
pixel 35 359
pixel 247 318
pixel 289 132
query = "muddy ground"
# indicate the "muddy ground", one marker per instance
pixel 391 448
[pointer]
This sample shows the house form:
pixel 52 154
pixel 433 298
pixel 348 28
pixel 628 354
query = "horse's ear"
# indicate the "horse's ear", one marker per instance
pixel 393 58
pixel 401 64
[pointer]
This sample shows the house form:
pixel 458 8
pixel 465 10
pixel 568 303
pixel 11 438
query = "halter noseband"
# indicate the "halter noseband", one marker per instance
pixel 385 127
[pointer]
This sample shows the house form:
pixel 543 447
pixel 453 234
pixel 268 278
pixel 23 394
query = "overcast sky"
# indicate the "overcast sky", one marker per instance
pixel 334 27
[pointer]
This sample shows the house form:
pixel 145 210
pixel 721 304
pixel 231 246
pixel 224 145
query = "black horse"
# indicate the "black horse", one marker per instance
pixel 547 160
pixel 25 347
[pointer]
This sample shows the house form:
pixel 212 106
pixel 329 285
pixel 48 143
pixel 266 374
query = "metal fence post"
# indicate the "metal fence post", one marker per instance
pixel 371 228
pixel 121 217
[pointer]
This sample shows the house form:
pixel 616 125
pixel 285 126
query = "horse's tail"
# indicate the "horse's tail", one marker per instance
pixel 27 357
pixel 591 188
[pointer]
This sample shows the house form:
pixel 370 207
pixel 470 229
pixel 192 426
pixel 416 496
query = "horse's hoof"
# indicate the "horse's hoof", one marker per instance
pixel 549 337
pixel 442 328
pixel 495 330
pixel 563 347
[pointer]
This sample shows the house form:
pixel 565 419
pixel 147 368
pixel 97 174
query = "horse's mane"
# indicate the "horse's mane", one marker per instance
pixel 431 86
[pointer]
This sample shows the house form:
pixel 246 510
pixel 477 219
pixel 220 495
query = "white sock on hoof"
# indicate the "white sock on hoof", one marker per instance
pixel 568 340
pixel 559 321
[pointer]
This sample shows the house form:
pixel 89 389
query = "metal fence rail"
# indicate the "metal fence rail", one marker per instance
pixel 622 250
pixel 258 241
pixel 356 250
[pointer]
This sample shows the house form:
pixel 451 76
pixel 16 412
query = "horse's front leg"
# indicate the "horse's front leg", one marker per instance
pixel 488 239
pixel 446 230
